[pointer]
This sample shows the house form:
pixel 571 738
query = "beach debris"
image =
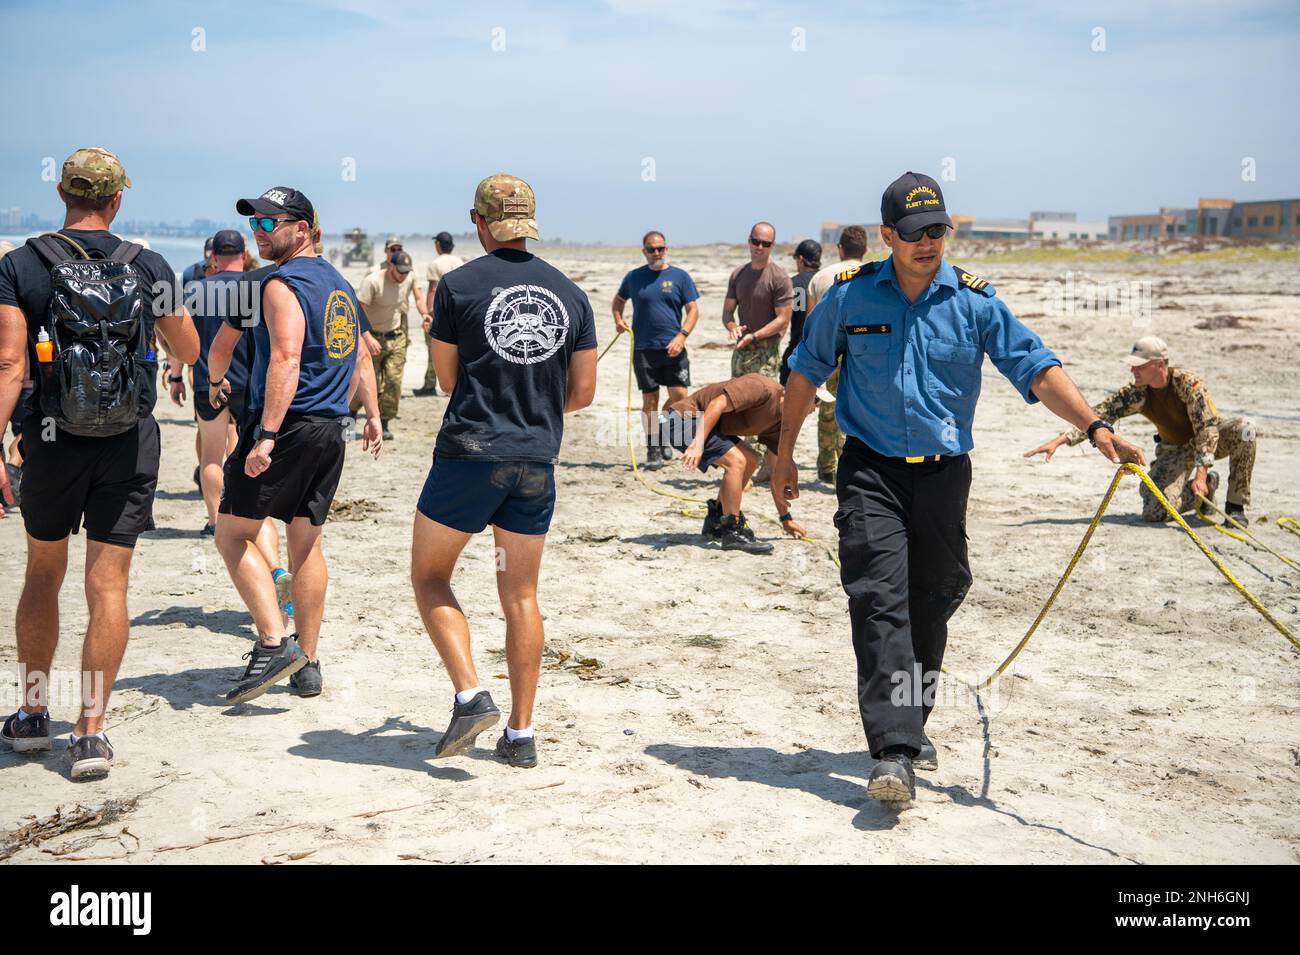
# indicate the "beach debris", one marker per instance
pixel 354 509
pixel 36 831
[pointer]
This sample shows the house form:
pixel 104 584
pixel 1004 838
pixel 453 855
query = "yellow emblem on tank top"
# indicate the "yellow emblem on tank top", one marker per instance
pixel 340 325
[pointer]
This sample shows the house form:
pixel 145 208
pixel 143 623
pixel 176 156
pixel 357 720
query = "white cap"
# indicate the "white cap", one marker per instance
pixel 1147 349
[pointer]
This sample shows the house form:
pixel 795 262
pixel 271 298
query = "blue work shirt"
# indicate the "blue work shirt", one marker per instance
pixel 911 372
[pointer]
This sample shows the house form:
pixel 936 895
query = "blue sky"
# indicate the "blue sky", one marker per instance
pixel 740 126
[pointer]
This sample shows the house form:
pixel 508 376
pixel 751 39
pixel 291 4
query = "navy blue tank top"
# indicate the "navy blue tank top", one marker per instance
pixel 329 347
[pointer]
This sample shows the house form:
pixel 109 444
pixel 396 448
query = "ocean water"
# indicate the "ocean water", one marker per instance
pixel 180 253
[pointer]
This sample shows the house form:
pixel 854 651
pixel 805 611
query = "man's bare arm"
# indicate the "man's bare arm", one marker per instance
pixel 777 326
pixel 287 326
pixel 179 337
pixel 582 380
pixel 1053 387
pixel 446 364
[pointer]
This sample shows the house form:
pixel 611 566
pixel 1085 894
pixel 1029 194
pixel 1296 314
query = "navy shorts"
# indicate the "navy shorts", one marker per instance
pixel 678 431
pixel 468 495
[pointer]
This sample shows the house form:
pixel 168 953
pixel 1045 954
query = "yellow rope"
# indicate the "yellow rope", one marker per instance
pixel 1248 538
pixel 1083 544
pixel 1289 524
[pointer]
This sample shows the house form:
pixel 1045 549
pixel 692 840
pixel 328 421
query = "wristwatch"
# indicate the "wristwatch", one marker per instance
pixel 176 380
pixel 684 332
pixel 787 516
pixel 1093 428
pixel 261 434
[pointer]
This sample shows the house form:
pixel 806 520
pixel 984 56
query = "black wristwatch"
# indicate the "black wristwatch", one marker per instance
pixel 177 380
pixel 684 332
pixel 1099 423
pixel 787 516
pixel 261 434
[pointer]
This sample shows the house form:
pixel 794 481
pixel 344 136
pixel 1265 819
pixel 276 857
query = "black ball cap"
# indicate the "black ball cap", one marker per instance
pixel 278 200
pixel 227 242
pixel 913 201
pixel 810 250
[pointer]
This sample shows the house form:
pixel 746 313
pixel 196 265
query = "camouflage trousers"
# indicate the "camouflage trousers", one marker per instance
pixel 430 376
pixel 830 442
pixel 390 363
pixel 1174 466
pixel 763 358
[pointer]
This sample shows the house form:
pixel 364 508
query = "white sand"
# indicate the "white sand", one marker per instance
pixel 1153 719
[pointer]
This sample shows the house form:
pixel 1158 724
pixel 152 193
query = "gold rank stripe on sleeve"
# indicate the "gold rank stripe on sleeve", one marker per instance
pixel 847 274
pixel 973 282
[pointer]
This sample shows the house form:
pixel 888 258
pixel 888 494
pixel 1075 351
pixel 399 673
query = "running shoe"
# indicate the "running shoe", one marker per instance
pixel 266 667
pixel 467 721
pixel 307 681
pixel 27 736
pixel 91 756
pixel 521 753
pixel 283 591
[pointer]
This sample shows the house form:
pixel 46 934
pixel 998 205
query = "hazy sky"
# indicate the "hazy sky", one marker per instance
pixel 739 124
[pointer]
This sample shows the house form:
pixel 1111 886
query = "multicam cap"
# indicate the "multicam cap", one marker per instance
pixel 508 205
pixel 391 241
pixel 93 173
pixel 1147 349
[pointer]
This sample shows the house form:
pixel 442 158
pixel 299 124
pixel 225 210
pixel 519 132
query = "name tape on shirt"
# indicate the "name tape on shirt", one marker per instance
pixel 869 329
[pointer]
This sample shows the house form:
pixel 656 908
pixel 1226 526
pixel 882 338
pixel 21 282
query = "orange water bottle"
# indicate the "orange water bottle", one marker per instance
pixel 44 347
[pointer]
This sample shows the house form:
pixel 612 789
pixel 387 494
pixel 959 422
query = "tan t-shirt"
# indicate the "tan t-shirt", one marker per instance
pixel 385 301
pixel 759 293
pixel 443 264
pixel 825 278
pixel 756 407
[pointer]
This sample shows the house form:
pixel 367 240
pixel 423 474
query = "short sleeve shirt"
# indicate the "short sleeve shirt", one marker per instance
pixel 759 293
pixel 756 403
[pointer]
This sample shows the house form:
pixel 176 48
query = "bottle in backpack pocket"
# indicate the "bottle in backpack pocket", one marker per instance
pixel 44 348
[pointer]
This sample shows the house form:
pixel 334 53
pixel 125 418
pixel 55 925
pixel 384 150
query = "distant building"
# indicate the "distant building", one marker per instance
pixel 970 227
pixel 11 218
pixel 1054 216
pixel 1068 229
pixel 1264 219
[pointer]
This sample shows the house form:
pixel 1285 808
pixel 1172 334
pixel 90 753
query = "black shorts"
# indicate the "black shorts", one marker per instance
pixel 654 368
pixel 306 463
pixel 678 431
pixel 20 412
pixel 104 484
pixel 204 411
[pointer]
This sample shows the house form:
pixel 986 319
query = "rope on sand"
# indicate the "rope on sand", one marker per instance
pixel 1083 545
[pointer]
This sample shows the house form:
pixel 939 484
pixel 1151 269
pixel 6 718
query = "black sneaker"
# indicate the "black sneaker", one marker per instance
pixel 388 435
pixel 209 530
pixel 892 780
pixel 1236 511
pixel 426 392
pixel 467 721
pixel 266 667
pixel 197 483
pixel 91 756
pixel 734 538
pixel 654 457
pixel 826 477
pixel 928 757
pixel 307 681
pixel 712 521
pixel 745 527
pixel 521 753
pixel 31 735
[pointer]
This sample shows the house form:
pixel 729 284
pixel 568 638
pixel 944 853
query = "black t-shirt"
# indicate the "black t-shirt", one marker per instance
pixel 801 280
pixel 213 301
pixel 516 322
pixel 25 284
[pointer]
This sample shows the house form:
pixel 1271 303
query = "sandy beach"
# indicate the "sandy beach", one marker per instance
pixel 700 706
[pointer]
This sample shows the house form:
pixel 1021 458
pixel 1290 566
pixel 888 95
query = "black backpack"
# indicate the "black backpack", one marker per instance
pixel 98 323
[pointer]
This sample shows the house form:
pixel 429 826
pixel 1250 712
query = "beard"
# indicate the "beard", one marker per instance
pixel 280 245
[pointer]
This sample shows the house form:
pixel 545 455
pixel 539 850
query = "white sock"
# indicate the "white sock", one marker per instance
pixel 464 696
pixel 513 734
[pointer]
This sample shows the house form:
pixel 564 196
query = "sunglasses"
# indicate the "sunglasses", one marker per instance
pixel 265 223
pixel 936 231
pixel 655 249
pixel 761 243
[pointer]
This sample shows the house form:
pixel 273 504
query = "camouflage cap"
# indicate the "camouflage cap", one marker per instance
pixel 93 173
pixel 391 241
pixel 508 205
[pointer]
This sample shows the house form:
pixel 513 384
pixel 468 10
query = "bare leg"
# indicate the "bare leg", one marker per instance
pixel 250 574
pixel 268 542
pixel 738 466
pixel 434 551
pixel 212 450
pixel 521 559
pixel 650 413
pixel 310 581
pixel 107 569
pixel 37 624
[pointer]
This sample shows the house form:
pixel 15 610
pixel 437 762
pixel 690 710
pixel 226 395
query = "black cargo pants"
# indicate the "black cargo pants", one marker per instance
pixel 904 566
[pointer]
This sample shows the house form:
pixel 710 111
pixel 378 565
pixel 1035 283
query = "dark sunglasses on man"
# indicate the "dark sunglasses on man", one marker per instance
pixel 936 231
pixel 266 223
pixel 760 243
pixel 655 249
